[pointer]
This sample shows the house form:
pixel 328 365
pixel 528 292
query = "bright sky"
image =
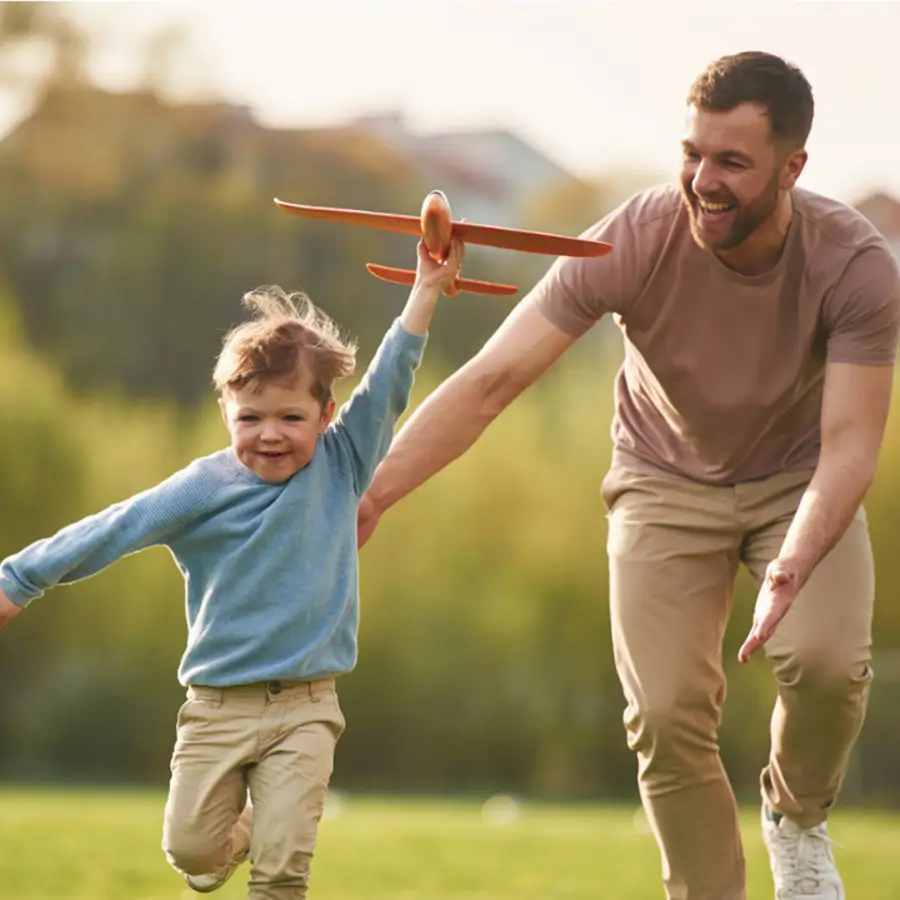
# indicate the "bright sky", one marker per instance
pixel 596 85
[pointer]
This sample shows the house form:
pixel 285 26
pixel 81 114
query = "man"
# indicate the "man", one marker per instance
pixel 760 323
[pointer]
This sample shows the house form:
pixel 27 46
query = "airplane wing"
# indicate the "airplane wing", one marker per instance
pixel 529 241
pixel 381 221
pixel 488 235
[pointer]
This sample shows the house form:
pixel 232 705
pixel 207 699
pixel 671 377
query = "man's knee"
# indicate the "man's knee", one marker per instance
pixel 190 849
pixel 671 732
pixel 822 671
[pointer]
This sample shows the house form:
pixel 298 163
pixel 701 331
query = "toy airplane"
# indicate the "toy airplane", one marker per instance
pixel 436 227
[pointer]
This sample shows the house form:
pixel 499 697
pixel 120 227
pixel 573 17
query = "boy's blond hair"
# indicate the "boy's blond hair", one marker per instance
pixel 285 335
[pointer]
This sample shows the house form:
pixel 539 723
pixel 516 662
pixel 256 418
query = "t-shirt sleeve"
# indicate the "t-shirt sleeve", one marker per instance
pixel 862 315
pixel 577 292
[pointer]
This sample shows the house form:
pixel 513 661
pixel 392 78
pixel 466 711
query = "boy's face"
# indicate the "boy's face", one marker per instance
pixel 274 425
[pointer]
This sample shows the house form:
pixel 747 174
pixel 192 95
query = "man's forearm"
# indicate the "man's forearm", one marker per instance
pixel 826 510
pixel 443 427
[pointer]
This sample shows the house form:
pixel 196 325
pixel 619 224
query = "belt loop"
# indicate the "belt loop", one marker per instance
pixel 313 698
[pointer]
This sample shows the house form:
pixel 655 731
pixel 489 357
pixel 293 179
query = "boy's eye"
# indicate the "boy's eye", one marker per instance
pixel 248 418
pixel 293 418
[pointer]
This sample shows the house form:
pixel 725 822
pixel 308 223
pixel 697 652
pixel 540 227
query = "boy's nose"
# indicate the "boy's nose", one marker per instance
pixel 270 431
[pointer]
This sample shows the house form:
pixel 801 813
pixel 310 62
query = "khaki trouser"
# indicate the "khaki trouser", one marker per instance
pixel 674 547
pixel 278 740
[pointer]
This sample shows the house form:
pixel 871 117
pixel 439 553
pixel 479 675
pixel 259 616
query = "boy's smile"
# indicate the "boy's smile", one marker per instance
pixel 274 425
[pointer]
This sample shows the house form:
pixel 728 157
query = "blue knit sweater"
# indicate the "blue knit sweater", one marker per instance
pixel 271 576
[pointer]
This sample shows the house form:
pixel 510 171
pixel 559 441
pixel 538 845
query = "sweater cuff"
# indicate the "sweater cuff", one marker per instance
pixel 406 339
pixel 14 591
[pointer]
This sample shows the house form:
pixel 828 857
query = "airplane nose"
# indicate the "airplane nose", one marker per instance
pixel 436 223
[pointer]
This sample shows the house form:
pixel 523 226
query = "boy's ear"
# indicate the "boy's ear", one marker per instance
pixel 327 415
pixel 223 411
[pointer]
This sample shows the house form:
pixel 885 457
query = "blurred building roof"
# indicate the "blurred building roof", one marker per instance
pixel 883 211
pixel 488 175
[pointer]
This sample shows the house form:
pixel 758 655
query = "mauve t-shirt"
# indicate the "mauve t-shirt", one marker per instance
pixel 723 373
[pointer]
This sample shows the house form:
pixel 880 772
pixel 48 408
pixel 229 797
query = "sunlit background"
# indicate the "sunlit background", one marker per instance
pixel 142 144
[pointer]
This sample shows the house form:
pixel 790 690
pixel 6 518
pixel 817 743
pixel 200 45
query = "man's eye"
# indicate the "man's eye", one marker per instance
pixel 734 164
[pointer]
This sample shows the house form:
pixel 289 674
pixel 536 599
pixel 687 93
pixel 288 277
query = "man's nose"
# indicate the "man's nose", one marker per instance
pixel 705 179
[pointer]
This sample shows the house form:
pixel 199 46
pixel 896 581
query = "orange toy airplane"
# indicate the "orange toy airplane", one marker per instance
pixel 436 228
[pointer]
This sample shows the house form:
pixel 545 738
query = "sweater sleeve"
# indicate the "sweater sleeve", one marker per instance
pixel 93 543
pixel 364 427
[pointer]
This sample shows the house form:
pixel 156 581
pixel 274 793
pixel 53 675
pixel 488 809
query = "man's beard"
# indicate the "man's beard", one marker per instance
pixel 747 219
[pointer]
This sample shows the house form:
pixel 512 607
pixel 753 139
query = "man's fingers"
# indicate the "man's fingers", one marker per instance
pixel 749 647
pixel 760 633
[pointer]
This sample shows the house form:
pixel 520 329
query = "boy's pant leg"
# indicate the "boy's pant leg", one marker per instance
pixel 673 556
pixel 288 787
pixel 821 652
pixel 203 828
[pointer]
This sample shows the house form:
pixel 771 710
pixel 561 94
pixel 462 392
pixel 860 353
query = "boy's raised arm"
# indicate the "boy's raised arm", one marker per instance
pixel 365 426
pixel 431 278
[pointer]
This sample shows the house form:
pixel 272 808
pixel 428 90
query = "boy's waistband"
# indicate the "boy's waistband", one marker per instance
pixel 281 687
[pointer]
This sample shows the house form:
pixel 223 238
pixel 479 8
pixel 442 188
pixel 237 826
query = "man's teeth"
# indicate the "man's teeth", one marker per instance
pixel 714 207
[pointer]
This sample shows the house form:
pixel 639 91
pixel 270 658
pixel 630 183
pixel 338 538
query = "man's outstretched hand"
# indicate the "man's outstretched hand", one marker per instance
pixel 779 590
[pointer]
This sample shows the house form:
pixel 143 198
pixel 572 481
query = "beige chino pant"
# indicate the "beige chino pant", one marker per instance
pixel 276 739
pixel 674 547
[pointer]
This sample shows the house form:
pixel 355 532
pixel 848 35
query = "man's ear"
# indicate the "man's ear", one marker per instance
pixel 792 168
pixel 327 415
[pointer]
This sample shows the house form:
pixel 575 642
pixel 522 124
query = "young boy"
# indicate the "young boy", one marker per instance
pixel 265 535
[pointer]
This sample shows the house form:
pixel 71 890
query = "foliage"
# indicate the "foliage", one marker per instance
pixel 130 229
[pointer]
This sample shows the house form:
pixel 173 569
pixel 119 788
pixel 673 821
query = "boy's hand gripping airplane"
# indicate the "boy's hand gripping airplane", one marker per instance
pixel 436 228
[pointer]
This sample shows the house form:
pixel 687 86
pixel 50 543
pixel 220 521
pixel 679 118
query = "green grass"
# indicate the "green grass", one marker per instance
pixel 104 845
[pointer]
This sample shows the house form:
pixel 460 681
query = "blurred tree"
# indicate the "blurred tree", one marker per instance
pixel 39 43
pixel 132 227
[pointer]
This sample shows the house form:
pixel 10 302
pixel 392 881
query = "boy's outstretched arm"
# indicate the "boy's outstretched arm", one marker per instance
pixel 8 609
pixel 452 418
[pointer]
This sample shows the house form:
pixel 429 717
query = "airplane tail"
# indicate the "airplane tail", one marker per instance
pixel 469 285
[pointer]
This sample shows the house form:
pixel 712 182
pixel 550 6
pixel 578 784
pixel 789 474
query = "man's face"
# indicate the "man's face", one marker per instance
pixel 274 426
pixel 732 173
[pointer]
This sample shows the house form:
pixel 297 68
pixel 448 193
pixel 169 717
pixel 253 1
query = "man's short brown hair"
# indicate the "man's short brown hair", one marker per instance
pixel 756 77
pixel 285 335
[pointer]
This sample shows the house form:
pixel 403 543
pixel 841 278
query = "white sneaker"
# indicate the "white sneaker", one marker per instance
pixel 801 859
pixel 206 884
